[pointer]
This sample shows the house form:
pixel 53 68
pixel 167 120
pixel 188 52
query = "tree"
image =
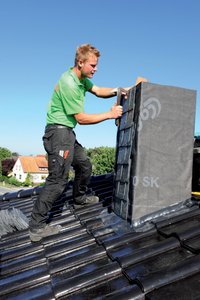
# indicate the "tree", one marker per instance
pixel 15 154
pixel 7 166
pixel 4 153
pixel 27 181
pixel 103 159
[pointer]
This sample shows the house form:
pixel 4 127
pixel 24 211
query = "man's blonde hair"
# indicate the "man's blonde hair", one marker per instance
pixel 84 51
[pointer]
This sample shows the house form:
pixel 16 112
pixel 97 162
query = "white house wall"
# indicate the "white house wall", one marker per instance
pixel 21 176
pixel 38 178
pixel 18 171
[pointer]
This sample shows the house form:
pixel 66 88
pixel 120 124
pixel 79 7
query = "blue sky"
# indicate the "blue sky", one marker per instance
pixel 157 39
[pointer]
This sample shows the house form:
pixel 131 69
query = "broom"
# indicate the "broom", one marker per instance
pixel 11 220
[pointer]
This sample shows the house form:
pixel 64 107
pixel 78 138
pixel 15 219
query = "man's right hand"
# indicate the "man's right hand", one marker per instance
pixel 116 111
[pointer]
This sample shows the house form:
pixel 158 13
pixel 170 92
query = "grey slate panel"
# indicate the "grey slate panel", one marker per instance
pixel 154 150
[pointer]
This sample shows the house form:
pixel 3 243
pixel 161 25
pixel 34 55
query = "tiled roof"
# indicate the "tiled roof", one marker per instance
pixel 97 255
pixel 34 164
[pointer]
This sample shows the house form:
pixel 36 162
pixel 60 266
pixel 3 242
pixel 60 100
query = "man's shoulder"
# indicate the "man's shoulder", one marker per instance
pixel 66 74
pixel 67 78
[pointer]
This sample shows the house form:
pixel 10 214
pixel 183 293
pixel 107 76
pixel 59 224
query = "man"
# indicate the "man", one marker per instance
pixel 65 110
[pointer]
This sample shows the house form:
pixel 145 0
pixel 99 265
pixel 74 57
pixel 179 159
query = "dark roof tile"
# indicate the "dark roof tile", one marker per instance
pixel 97 255
pixel 173 273
pixel 24 279
pixel 186 288
pixel 156 263
pixel 93 278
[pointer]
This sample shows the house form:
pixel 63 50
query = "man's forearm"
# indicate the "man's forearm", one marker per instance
pixel 104 92
pixel 86 119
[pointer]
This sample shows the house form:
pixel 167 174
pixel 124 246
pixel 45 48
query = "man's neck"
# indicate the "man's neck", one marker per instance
pixel 76 70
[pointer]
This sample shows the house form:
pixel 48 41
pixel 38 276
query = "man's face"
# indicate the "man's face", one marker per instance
pixel 89 67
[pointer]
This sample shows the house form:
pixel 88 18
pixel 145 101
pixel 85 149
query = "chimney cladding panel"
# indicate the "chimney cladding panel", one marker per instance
pixel 154 150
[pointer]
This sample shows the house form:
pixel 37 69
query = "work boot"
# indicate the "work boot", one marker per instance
pixel 88 200
pixel 37 234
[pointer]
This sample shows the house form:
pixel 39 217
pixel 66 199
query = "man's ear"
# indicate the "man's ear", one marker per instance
pixel 80 64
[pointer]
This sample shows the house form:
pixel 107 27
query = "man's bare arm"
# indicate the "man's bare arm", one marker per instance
pixel 86 119
pixel 103 92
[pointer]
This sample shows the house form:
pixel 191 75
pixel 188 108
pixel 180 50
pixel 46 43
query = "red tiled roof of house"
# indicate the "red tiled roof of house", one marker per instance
pixel 34 164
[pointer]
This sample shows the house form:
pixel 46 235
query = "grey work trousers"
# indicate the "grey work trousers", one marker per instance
pixel 63 151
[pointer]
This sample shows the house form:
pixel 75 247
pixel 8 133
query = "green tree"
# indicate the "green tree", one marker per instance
pixel 15 154
pixel 103 159
pixel 4 153
pixel 27 181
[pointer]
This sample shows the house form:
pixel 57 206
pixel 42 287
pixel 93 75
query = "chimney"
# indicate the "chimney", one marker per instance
pixel 153 169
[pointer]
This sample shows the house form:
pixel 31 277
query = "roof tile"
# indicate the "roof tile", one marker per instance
pixel 97 255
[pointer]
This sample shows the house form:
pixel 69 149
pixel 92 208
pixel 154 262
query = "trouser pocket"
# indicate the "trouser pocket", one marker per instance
pixel 56 167
pixel 47 141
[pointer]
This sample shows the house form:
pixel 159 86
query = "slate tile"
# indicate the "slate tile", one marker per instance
pixel 42 291
pixel 156 263
pixel 74 284
pixel 130 255
pixel 185 289
pixel 180 271
pixel 71 260
pixel 102 290
pixel 24 279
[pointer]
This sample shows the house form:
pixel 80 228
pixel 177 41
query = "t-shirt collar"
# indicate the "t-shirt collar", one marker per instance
pixel 75 77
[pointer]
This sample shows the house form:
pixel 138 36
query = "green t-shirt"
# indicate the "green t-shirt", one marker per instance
pixel 67 99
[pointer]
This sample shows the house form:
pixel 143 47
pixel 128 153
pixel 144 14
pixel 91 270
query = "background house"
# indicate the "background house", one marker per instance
pixel 36 166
